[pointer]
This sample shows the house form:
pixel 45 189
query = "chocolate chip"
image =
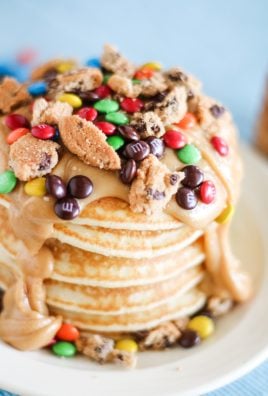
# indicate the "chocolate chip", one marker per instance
pixel 173 179
pixel 137 150
pixel 190 95
pixel 128 171
pixel 128 132
pixel 193 176
pixel 157 146
pixel 55 186
pixel 50 75
pixel 186 198
pixel 45 162
pixel 189 338
pixel 1 299
pixel 80 187
pixel 155 194
pixel 204 312
pixel 217 111
pixel 177 76
pixel 67 208
pixel 160 96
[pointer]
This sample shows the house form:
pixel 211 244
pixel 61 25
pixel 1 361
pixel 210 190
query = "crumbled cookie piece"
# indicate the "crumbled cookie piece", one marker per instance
pixel 30 157
pixel 173 107
pixel 219 306
pixel 162 337
pixel 49 69
pixel 12 95
pixel 49 112
pixel 181 323
pixel 154 85
pixel 124 358
pixel 177 77
pixel 210 115
pixel 148 124
pixel 87 141
pixel 124 86
pixel 153 187
pixel 113 61
pixel 78 80
pixel 96 347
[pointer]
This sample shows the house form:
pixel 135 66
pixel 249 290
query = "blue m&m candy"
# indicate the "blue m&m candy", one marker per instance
pixel 37 88
pixel 93 62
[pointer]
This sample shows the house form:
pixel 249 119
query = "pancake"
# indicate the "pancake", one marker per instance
pixel 183 306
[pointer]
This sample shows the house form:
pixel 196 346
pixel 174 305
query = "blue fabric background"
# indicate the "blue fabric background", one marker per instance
pixel 224 43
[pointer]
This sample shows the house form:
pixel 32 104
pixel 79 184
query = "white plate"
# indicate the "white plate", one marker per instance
pixel 239 343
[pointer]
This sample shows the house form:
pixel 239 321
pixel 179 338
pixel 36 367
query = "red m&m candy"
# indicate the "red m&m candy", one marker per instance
pixel 88 113
pixel 187 122
pixel 207 192
pixel 15 121
pixel 174 139
pixel 106 127
pixel 220 145
pixel 103 91
pixel 67 332
pixel 131 105
pixel 43 131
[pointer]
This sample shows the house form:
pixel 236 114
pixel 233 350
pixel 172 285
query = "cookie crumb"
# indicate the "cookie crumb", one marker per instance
pixel 219 306
pixel 49 69
pixel 181 323
pixel 154 85
pixel 173 107
pixel 124 86
pixel 78 80
pixel 49 112
pixel 30 157
pixel 205 110
pixel 162 337
pixel 152 189
pixel 113 61
pixel 87 141
pixel 96 347
pixel 148 124
pixel 12 95
pixel 124 358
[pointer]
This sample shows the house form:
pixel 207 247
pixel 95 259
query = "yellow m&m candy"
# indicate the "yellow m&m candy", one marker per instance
pixel 72 99
pixel 203 325
pixel 36 187
pixel 127 345
pixel 226 214
pixel 153 66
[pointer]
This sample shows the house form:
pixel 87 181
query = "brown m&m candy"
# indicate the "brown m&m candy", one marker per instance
pixel 157 146
pixel 80 187
pixel 128 171
pixel 67 208
pixel 193 176
pixel 189 338
pixel 186 198
pixel 137 150
pixel 55 186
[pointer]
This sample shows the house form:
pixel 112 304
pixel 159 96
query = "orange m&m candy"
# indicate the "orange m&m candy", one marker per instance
pixel 16 134
pixel 187 122
pixel 67 332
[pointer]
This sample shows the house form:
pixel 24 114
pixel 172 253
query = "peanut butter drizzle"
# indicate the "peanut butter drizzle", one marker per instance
pixel 25 323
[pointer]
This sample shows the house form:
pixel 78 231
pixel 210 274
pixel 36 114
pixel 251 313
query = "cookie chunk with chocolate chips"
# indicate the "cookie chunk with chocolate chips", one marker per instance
pixel 113 61
pixel 124 358
pixel 78 80
pixel 30 157
pixel 49 69
pixel 87 141
pixel 49 112
pixel 96 347
pixel 148 124
pixel 177 77
pixel 162 337
pixel 211 115
pixel 153 187
pixel 173 107
pixel 154 85
pixel 124 86
pixel 12 95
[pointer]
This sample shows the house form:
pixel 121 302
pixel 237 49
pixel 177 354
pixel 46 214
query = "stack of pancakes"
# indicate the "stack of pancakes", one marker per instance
pixel 115 270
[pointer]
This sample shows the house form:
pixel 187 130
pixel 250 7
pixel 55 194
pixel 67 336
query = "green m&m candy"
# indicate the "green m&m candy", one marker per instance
pixel 189 154
pixel 106 78
pixel 64 348
pixel 8 182
pixel 115 141
pixel 106 106
pixel 117 118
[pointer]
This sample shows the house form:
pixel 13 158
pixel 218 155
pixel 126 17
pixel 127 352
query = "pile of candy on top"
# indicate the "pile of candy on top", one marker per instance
pixel 140 112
